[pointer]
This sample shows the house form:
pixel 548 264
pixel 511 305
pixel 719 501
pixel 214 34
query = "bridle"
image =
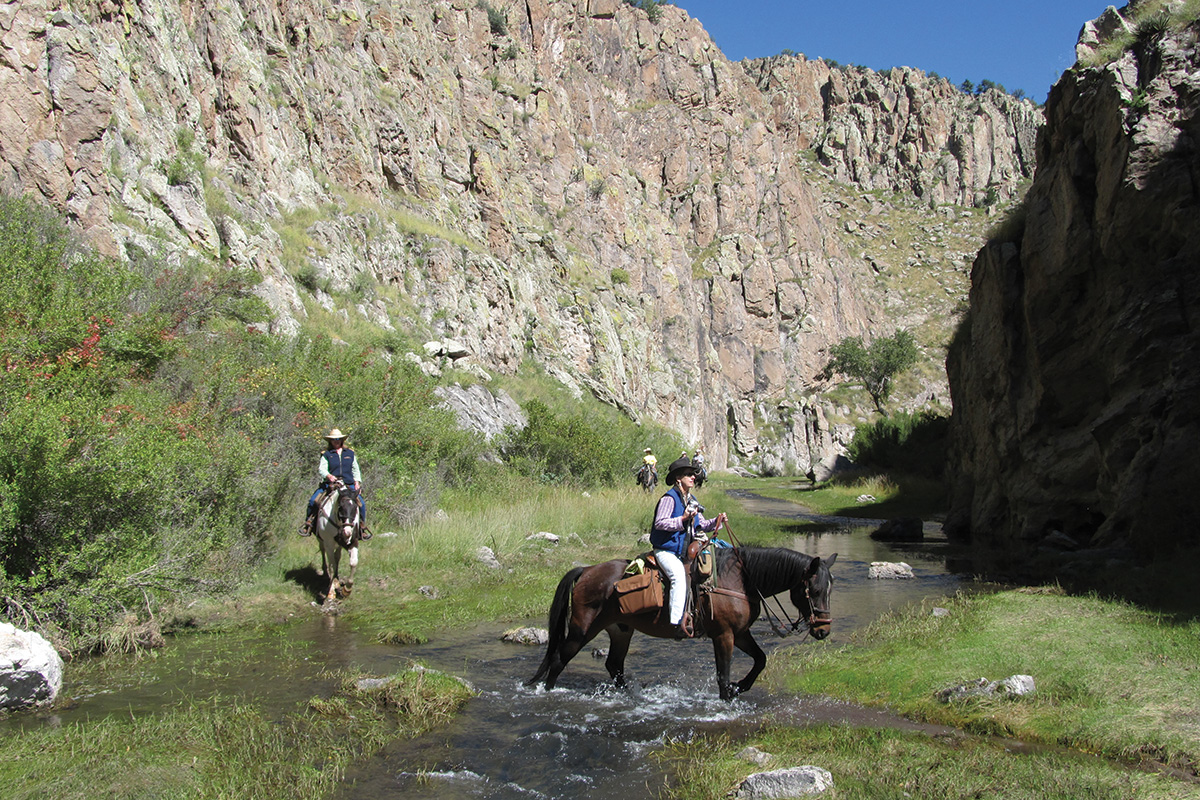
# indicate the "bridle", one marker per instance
pixel 817 617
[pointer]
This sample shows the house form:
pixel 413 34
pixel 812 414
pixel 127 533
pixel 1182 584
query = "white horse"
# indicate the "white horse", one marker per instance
pixel 339 527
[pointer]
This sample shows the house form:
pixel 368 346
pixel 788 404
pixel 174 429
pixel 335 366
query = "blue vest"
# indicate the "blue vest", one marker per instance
pixel 674 541
pixel 343 466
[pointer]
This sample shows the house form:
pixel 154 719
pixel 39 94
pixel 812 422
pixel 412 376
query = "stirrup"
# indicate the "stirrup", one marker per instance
pixel 306 528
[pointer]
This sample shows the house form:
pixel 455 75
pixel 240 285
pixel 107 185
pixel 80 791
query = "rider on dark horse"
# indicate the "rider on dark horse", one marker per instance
pixel 649 462
pixel 677 522
pixel 338 466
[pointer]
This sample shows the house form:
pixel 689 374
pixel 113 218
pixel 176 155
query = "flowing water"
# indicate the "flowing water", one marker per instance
pixel 582 739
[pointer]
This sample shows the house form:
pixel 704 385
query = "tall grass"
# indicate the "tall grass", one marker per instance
pixel 220 749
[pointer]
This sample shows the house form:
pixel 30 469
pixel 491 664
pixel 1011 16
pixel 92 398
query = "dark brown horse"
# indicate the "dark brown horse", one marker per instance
pixel 585 604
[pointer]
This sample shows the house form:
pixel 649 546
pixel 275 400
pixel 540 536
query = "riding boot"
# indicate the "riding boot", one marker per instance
pixel 684 629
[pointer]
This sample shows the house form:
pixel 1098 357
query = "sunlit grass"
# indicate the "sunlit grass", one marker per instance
pixel 886 496
pixel 870 763
pixel 223 749
pixel 1111 678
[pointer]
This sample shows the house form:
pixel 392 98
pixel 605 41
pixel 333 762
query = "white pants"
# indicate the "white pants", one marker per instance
pixel 677 578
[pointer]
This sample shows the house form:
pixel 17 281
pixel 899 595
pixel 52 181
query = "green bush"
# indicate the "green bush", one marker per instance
pixel 589 447
pixel 156 446
pixel 912 443
pixel 876 364
pixel 653 8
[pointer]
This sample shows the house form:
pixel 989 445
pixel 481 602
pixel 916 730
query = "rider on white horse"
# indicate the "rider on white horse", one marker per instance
pixel 338 465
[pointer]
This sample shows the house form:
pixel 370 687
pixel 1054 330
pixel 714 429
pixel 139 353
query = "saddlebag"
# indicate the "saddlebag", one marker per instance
pixel 639 593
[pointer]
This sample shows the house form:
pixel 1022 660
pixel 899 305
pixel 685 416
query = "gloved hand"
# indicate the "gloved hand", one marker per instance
pixel 701 537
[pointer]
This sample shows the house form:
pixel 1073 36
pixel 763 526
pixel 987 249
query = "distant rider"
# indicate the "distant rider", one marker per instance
pixel 677 521
pixel 338 464
pixel 648 460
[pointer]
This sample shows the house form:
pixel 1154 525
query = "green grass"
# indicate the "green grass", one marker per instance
pixel 217 749
pixel 895 495
pixel 442 552
pixel 1112 679
pixel 870 763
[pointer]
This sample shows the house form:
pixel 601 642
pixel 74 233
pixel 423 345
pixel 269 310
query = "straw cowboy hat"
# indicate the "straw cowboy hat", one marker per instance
pixel 335 434
pixel 679 467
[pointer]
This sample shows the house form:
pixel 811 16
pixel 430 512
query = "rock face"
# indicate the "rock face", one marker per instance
pixel 562 181
pixel 903 130
pixel 1076 377
pixel 31 671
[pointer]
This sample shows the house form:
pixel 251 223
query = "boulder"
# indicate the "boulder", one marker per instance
pixel 905 529
pixel 785 783
pixel 31 671
pixel 889 570
pixel 487 557
pixel 526 636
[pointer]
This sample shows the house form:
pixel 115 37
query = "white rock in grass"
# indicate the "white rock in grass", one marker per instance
pixel 31 671
pixel 784 783
pixel 487 557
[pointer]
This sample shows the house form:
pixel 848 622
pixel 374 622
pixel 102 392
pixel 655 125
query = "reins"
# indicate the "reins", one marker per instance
pixel 824 618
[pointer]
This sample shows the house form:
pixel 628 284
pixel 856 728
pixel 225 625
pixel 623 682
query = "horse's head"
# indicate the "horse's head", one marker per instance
pixel 812 595
pixel 347 514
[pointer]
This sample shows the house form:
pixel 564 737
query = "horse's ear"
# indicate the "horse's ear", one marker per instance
pixel 829 561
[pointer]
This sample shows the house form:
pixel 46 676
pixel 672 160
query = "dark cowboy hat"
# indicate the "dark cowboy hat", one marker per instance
pixel 679 467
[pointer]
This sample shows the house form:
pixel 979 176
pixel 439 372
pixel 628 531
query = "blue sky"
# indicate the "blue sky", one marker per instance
pixel 1020 44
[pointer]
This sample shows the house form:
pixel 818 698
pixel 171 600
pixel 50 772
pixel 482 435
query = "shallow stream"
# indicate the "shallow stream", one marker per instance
pixel 583 739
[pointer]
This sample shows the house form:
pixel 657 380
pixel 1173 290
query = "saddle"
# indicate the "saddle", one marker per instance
pixel 643 587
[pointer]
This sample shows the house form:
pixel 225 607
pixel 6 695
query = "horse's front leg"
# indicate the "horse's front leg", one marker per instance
pixel 723 651
pixel 332 571
pixel 745 642
pixel 349 582
pixel 619 637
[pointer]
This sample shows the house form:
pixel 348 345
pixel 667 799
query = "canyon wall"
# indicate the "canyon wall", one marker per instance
pixel 566 182
pixel 1076 376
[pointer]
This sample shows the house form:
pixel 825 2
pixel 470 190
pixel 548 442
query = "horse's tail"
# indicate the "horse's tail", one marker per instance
pixel 560 613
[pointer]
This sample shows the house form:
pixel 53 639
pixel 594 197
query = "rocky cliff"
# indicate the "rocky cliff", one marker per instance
pixel 1076 378
pixel 563 181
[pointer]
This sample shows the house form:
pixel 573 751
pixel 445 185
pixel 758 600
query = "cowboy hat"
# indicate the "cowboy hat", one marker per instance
pixel 335 434
pixel 679 467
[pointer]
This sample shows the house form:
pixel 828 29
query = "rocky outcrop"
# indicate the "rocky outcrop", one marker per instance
pixel 904 131
pixel 562 181
pixel 1076 376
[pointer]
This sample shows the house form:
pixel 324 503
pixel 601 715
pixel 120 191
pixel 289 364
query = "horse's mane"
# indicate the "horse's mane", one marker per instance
pixel 768 568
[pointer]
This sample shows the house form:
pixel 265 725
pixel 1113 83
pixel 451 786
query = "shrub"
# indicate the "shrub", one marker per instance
pixel 155 443
pixel 913 443
pixel 497 21
pixel 876 365
pixel 653 8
